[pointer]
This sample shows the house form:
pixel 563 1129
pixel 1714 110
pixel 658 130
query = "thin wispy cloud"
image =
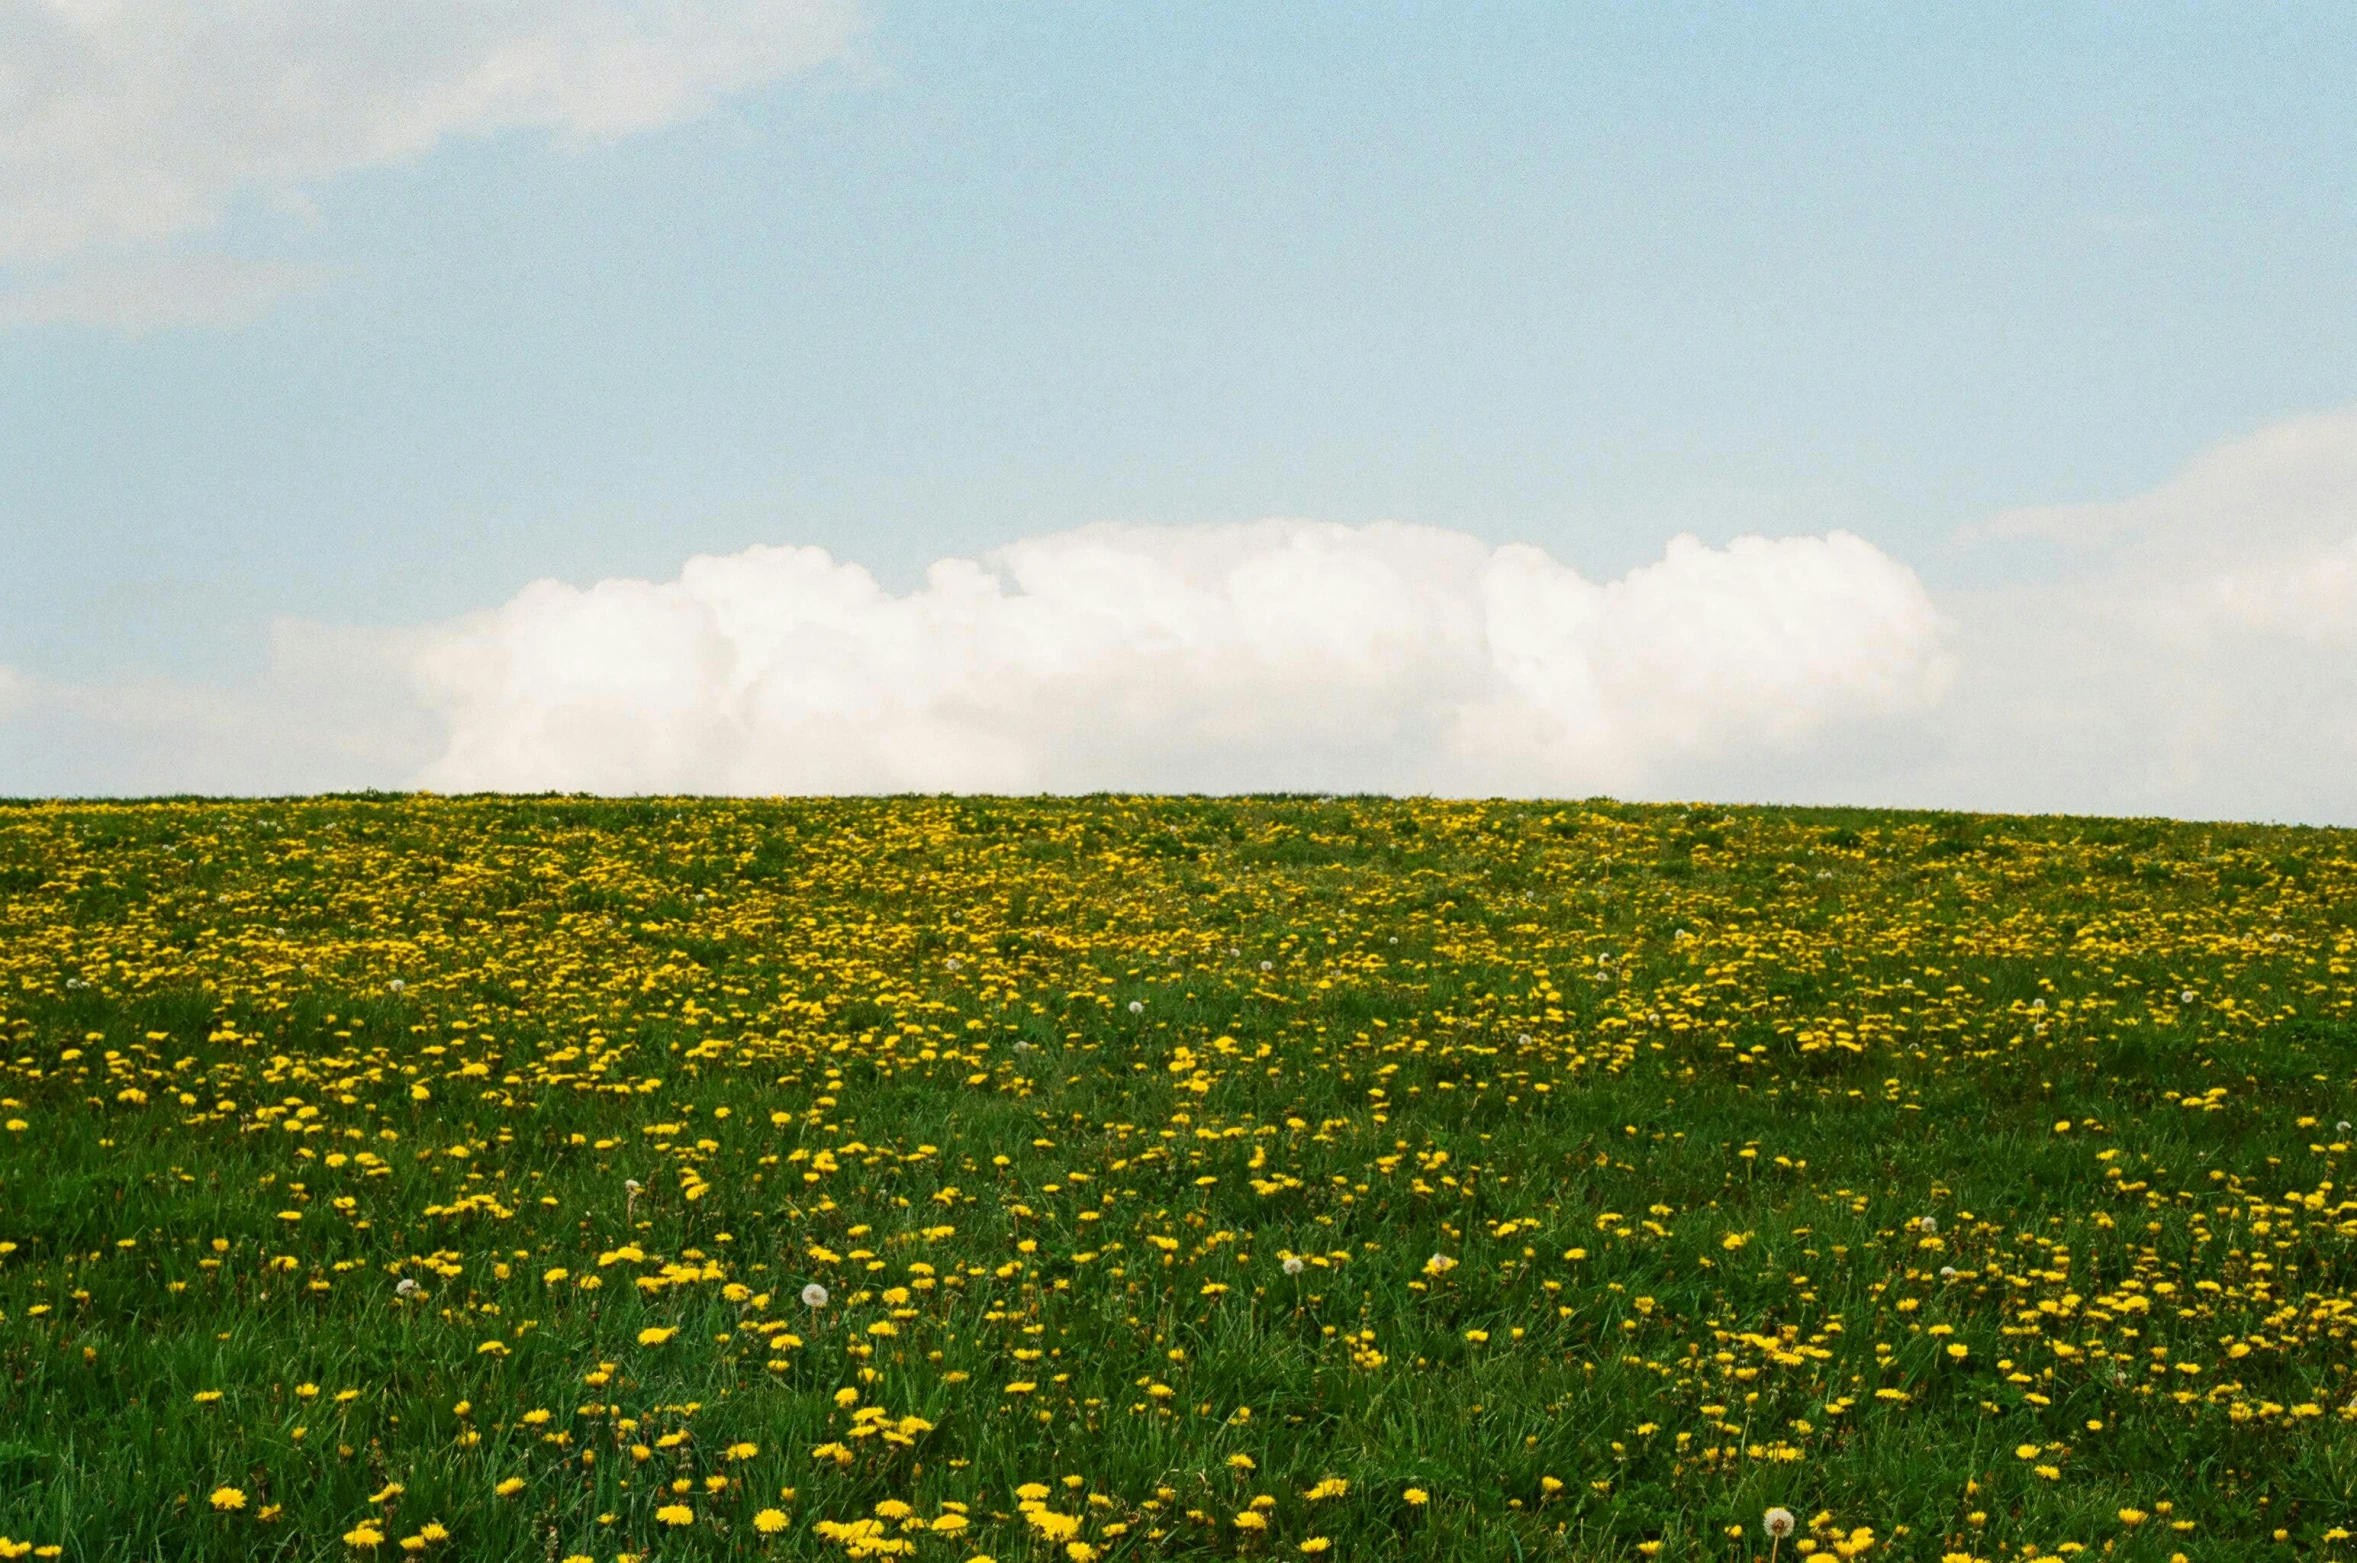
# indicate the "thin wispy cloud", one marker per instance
pixel 127 129
pixel 158 292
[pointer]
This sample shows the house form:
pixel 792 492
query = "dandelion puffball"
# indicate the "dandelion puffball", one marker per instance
pixel 1294 1266
pixel 632 1185
pixel 1928 1223
pixel 814 1296
pixel 1137 1006
pixel 405 1287
pixel 1778 1523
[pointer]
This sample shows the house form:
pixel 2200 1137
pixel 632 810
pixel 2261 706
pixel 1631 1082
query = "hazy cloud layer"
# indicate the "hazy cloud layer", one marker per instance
pixel 2192 650
pixel 126 124
pixel 337 710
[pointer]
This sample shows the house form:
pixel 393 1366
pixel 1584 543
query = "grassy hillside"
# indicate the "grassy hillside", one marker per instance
pixel 1252 1178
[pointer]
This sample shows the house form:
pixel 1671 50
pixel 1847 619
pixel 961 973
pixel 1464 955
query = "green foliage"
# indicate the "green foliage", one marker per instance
pixel 1964 1184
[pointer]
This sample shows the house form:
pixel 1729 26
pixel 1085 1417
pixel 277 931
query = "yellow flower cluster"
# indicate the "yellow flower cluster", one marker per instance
pixel 1324 1176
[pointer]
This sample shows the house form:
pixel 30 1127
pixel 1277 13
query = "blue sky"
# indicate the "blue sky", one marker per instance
pixel 1579 277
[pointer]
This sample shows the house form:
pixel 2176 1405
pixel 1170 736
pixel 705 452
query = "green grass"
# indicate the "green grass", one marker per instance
pixel 1670 1089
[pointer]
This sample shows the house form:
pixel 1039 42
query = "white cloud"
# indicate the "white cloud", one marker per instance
pixel 333 711
pixel 125 124
pixel 152 292
pixel 1280 654
pixel 2193 652
pixel 2287 485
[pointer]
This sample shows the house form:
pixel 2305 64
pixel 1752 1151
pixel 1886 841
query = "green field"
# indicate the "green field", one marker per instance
pixel 390 1177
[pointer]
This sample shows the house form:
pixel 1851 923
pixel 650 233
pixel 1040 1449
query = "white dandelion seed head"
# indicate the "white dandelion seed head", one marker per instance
pixel 2186 997
pixel 2342 1127
pixel 1778 1523
pixel 1522 1037
pixel 632 1185
pixel 814 1296
pixel 1294 1266
pixel 1268 965
pixel 1137 1006
pixel 396 985
pixel 1022 1047
pixel 405 1287
pixel 1927 1223
pixel 1947 1272
pixel 954 964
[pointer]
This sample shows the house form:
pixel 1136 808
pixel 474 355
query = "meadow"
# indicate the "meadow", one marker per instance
pixel 1115 1178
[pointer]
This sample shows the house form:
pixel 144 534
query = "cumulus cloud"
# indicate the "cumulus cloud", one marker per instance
pixel 125 124
pixel 2191 650
pixel 1279 654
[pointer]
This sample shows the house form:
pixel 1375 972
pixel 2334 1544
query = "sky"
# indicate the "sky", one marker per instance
pixel 1948 406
